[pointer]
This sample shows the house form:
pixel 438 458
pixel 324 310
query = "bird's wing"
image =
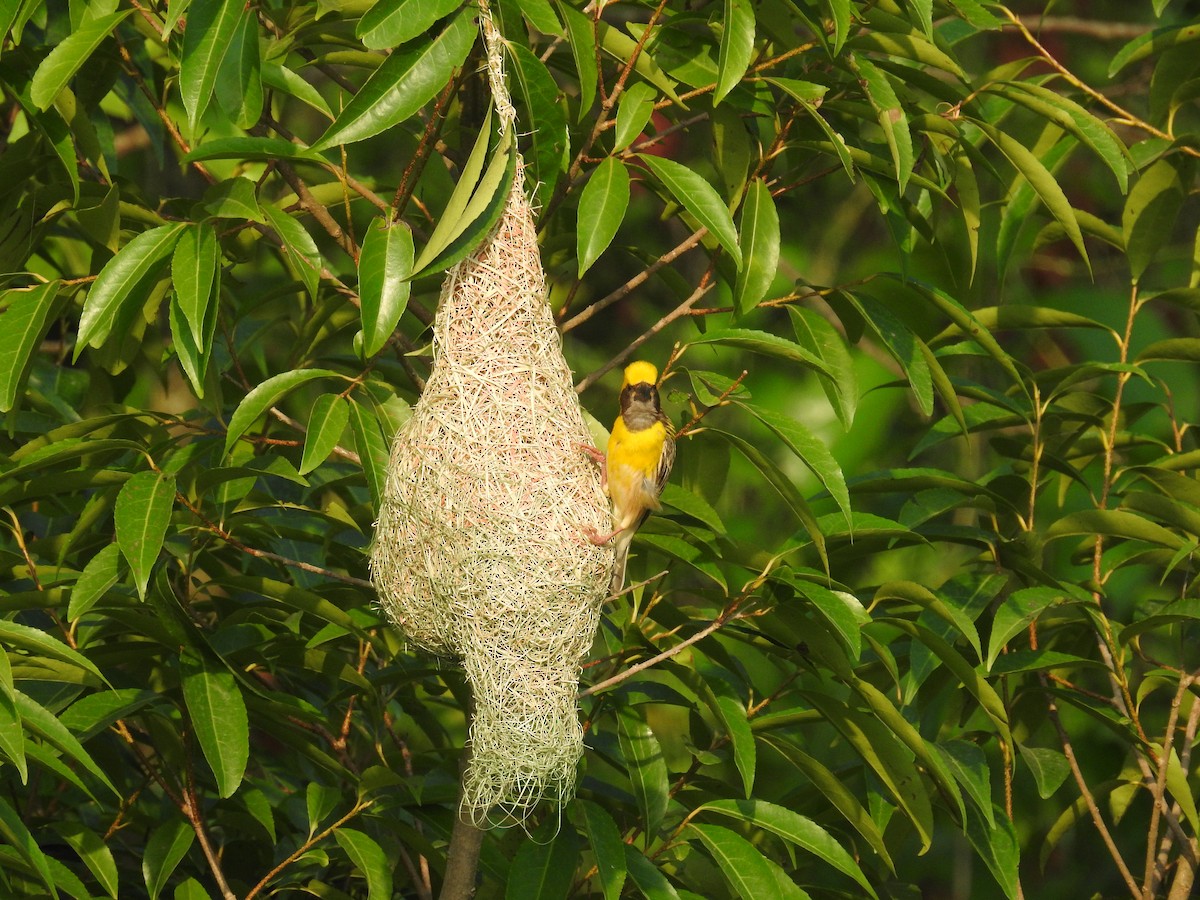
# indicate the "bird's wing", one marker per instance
pixel 666 459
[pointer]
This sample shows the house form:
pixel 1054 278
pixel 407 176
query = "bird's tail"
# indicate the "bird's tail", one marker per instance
pixel 621 550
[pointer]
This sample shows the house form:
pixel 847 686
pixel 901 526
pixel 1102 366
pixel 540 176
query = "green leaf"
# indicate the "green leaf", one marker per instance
pixel 18 836
pixel 384 267
pixel 95 854
pixel 39 643
pixel 810 450
pixel 403 84
pixel 645 765
pixel 582 40
pixel 787 490
pixel 218 716
pixel 1176 349
pixel 68 56
pixel 737 46
pixel 457 235
pixel 239 85
pixel 739 861
pixel 12 735
pixel 298 245
pixel 168 845
pixel 607 847
pixel 242 148
pixel 1153 43
pixel 817 334
pixel 390 23
pixel 995 840
pixel 282 79
pixel 649 880
pixel 328 421
pixel 545 119
pixel 142 514
pixel 121 281
pixel 602 206
pixel 968 762
pixel 1151 208
pixel 1048 767
pixel 1113 523
pixel 233 198
pixel 766 344
pixel 733 717
pixel 1041 180
pixel 28 315
pixel 794 828
pixel 1016 613
pixel 193 357
pixel 207 37
pixel 262 398
pixel 838 795
pixel 368 857
pixel 372 449
pixel 759 241
pixel 699 198
pixel 634 110
pixel 543 867
pixel 194 274
pixel 692 504
pixel 540 15
pixel 890 113
pixel 42 723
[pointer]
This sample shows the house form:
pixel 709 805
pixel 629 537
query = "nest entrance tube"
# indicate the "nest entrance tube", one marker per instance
pixel 480 551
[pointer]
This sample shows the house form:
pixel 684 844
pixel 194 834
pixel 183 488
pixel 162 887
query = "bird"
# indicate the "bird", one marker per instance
pixel 641 451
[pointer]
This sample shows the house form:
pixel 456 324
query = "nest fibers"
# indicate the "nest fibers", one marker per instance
pixel 479 551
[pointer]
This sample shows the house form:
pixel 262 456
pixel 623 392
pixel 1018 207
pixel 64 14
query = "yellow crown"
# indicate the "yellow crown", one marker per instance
pixel 637 372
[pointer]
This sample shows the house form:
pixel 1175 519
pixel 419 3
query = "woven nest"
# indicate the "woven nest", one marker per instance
pixel 479 550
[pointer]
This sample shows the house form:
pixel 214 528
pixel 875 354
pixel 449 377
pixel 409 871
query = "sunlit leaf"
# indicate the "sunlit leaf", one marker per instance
pixel 699 198
pixel 384 266
pixel 141 515
pixel 602 205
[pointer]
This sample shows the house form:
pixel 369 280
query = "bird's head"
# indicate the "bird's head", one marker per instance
pixel 640 372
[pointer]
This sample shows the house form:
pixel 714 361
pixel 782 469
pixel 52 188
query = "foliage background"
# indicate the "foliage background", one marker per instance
pixel 952 242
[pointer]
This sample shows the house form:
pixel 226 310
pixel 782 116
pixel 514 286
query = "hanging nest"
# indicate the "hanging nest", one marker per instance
pixel 480 551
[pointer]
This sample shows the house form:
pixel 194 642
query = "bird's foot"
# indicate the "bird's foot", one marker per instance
pixel 596 537
pixel 599 459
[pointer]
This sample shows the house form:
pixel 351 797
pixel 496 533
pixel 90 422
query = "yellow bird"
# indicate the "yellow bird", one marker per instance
pixel 641 451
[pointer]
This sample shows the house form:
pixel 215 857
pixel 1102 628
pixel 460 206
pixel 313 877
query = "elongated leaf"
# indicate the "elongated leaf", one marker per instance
pixel 1041 180
pixel 384 266
pixel 765 343
pixel 737 46
pixel 794 828
pixel 263 148
pixel 809 448
pixel 18 836
pixel 759 241
pixel 634 110
pixel 699 198
pixel 207 37
pixel 194 273
pixel 95 854
pixel 739 861
pixel 733 717
pixel 120 282
pixel 891 115
pixel 402 85
pixel 1015 614
pixel 372 448
pixel 262 398
pixel 142 514
pixel 582 40
pixel 299 246
pixel 1151 43
pixel 602 206
pixel 23 324
pixel 1048 767
pixel 38 642
pixel 283 79
pixel 239 86
pixel 167 846
pixel 65 60
pixel 995 840
pixel 544 865
pixel 649 880
pixel 791 496
pixel 390 23
pixel 1151 209
pixel 12 735
pixel 607 847
pixel 218 716
pixel 1113 523
pixel 41 722
pixel 645 765
pixel 326 425
pixel 368 857
pixel 479 215
pixel 545 118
